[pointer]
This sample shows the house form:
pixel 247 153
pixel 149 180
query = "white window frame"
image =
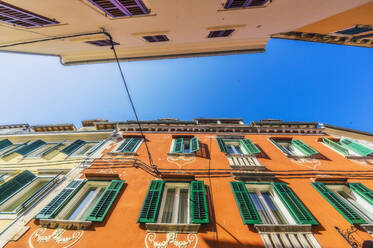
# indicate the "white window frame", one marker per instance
pixel 357 198
pixel 20 193
pixel 71 206
pixel 181 185
pixel 278 202
pixel 124 139
pixel 74 154
pixel 184 138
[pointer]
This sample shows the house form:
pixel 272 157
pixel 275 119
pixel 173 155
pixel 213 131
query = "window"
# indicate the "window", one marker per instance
pixel 354 201
pixel 81 148
pixel 81 201
pixel 175 203
pixel 155 38
pixel 357 29
pixel 220 33
pixel 270 203
pixel 121 8
pixel 348 147
pixel 294 148
pixel 129 145
pixel 102 42
pixel 230 4
pixel 240 153
pixel 44 150
pixel 278 214
pixel 22 189
pixel 185 145
pixel 238 146
pixel 19 17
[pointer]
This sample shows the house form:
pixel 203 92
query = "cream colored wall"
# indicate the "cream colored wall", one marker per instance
pixel 54 161
pixel 187 24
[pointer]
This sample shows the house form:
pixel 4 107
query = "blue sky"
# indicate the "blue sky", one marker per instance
pixel 292 80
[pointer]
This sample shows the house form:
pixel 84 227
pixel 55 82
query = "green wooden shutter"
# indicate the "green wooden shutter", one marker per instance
pixel 294 205
pixel 56 205
pixel 284 150
pixel 363 191
pixel 149 210
pixel 356 147
pixel 194 144
pixel 304 148
pixel 131 145
pixel 335 146
pixel 96 147
pixel 5 143
pixel 124 143
pixel 222 146
pixel 178 145
pixel 347 212
pixel 248 212
pixel 30 147
pixel 73 147
pixel 107 198
pixel 10 187
pixel 198 203
pixel 249 146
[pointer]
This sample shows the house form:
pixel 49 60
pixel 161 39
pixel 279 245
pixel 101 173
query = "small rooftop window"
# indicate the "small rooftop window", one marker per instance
pixel 23 18
pixel 230 4
pixel 102 43
pixel 358 29
pixel 155 38
pixel 220 33
pixel 120 8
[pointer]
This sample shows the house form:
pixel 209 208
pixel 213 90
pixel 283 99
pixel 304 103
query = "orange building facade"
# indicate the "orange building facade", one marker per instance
pixel 214 183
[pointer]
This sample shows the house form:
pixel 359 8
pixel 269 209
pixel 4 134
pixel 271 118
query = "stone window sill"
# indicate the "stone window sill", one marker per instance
pixel 241 155
pixel 66 224
pixel 181 154
pixel 367 227
pixel 123 153
pixel 248 167
pixel 178 228
pixel 288 228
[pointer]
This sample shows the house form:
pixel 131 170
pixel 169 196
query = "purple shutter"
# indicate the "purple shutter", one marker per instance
pixel 120 8
pixel 20 17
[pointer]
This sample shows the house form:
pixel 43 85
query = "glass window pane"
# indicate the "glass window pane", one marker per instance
pixel 168 206
pixel 183 206
pixel 273 208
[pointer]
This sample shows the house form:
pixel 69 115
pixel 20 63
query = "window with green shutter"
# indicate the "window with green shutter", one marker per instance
pixel 294 205
pixel 73 147
pixel 222 145
pixel 282 148
pixel 178 145
pixel 30 147
pixel 194 144
pixel 344 209
pixel 356 147
pixel 5 143
pixel 12 186
pixel 56 205
pixel 150 207
pixel 336 146
pixel 250 147
pixel 129 145
pixel 185 145
pixel 304 148
pixel 363 191
pixel 104 203
pixel 248 212
pixel 198 203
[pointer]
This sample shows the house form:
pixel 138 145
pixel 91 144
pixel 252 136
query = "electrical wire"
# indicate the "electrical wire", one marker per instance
pixel 130 99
